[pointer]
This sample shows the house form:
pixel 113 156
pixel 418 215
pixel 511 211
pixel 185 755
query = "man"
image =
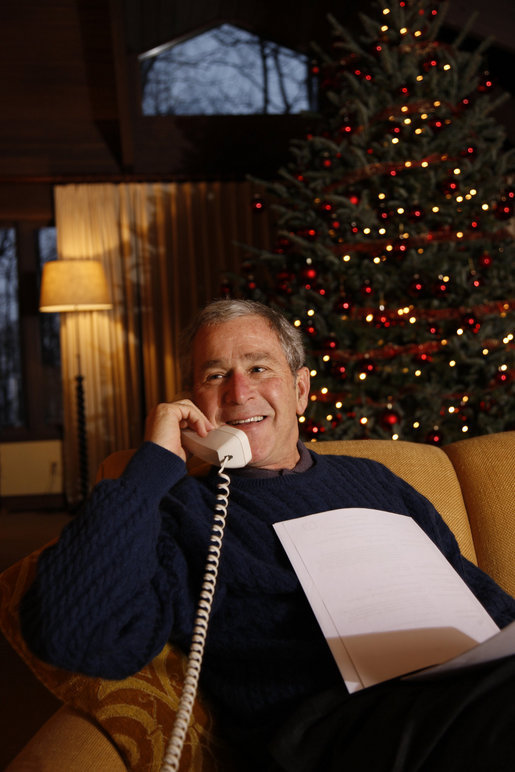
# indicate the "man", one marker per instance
pixel 125 576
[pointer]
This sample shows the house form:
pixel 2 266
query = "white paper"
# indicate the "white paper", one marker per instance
pixel 386 599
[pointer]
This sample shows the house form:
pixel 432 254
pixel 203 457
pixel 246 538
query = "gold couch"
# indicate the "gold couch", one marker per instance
pixel 120 725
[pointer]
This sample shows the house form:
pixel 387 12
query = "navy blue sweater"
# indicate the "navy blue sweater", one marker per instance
pixel 125 576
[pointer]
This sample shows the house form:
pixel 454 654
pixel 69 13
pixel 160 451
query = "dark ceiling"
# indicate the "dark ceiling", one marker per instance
pixel 70 95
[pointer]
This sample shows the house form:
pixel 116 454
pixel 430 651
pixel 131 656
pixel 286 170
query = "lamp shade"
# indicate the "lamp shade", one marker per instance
pixel 74 285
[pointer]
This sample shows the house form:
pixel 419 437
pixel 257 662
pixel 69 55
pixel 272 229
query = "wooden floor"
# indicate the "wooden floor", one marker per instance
pixel 25 703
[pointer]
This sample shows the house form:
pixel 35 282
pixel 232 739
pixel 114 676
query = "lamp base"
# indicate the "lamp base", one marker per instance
pixel 82 437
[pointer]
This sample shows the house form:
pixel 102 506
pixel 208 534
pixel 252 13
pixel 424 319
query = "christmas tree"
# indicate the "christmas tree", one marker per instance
pixel 393 253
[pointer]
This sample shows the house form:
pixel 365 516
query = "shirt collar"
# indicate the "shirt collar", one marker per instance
pixel 305 462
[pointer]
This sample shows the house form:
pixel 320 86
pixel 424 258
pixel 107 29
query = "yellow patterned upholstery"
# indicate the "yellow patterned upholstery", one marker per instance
pixel 471 483
pixel 137 713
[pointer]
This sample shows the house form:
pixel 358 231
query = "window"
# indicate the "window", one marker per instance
pixel 49 324
pixel 225 71
pixel 30 380
pixel 11 404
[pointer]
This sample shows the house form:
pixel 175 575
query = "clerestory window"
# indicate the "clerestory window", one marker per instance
pixel 225 70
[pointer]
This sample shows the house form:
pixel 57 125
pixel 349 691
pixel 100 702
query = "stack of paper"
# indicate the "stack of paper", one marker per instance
pixel 386 599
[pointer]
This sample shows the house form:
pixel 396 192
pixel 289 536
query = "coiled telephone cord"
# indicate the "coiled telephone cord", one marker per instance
pixel 178 736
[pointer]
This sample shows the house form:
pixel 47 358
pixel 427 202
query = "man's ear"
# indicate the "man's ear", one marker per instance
pixel 302 389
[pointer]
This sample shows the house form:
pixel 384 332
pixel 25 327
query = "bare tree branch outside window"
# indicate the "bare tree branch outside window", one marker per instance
pixel 225 71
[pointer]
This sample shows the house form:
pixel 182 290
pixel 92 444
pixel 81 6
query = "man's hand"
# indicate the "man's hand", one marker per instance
pixel 164 423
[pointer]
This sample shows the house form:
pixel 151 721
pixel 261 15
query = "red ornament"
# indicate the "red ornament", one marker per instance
pixel 485 260
pixel 343 305
pixel 258 203
pixel 395 129
pixel 470 322
pixel 386 214
pixel 422 358
pixel 469 152
pixel 475 279
pixel 366 366
pixel 429 63
pixel 434 437
pixel 441 287
pixel 381 320
pixel 309 274
pixel 346 129
pixel 330 343
pixel 309 234
pixel 389 418
pixel 398 250
pixel 437 124
pixel 504 208
pixel 416 286
pixel 448 187
pixel 339 371
pixel 367 290
pixel 485 83
pixel 416 213
pixel 312 428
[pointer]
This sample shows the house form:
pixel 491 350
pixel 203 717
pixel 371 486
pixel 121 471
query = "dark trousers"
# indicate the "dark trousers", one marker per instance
pixel 453 723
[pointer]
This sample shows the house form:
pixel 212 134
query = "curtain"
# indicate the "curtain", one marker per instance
pixel 166 249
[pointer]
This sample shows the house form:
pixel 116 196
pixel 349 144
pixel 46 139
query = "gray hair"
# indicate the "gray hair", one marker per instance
pixel 220 311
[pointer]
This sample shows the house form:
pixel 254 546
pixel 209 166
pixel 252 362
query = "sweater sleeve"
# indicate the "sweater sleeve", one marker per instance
pixel 101 603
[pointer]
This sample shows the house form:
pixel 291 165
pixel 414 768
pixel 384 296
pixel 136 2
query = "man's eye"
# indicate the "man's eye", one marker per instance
pixel 258 369
pixel 214 376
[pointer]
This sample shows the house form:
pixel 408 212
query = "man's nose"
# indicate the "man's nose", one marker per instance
pixel 238 388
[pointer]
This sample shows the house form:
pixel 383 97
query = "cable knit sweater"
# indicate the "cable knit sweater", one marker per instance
pixel 125 576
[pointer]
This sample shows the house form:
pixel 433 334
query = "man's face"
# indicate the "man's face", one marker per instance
pixel 241 377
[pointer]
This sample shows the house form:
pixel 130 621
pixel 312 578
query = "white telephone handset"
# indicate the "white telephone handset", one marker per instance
pixel 225 446
pixel 219 444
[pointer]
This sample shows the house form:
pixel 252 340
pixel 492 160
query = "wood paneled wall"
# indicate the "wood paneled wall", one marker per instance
pixel 70 103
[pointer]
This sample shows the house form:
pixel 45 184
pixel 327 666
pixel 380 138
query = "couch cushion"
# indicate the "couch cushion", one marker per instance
pixel 68 742
pixel 136 713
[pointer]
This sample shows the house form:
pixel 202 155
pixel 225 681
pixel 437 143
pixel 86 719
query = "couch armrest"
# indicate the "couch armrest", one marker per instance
pixel 485 467
pixel 68 742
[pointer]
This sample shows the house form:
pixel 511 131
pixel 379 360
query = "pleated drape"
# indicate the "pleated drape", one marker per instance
pixel 166 248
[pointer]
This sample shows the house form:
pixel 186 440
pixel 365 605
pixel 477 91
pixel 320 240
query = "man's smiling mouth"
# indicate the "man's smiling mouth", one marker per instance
pixel 255 419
